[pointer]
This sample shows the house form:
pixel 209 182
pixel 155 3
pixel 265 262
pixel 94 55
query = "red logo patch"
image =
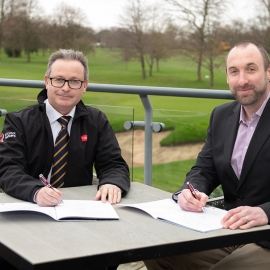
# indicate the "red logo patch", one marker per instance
pixel 84 138
pixel 2 136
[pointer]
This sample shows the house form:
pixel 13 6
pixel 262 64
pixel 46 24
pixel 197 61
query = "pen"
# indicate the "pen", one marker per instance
pixel 193 192
pixel 46 183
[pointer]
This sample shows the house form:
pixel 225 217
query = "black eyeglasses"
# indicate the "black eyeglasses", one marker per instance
pixel 59 82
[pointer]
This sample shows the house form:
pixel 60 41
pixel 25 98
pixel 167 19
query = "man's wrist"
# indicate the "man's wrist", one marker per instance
pixel 35 196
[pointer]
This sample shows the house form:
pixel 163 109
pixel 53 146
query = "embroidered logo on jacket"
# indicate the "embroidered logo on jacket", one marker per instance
pixel 10 135
pixel 84 138
pixel 2 136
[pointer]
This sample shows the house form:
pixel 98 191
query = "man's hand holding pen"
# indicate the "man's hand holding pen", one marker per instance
pixel 48 197
pixel 189 201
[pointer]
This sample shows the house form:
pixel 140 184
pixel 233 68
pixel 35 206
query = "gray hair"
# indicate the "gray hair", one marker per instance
pixel 69 55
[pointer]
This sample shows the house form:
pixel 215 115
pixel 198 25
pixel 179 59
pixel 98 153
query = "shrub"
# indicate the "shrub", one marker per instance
pixel 13 52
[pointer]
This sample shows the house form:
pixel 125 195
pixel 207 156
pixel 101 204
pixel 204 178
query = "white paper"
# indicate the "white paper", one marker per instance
pixel 85 209
pixel 169 211
pixel 68 210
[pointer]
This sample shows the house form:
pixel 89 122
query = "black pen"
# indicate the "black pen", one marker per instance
pixel 46 183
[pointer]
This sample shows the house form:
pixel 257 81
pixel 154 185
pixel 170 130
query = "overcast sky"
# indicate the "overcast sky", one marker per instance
pixel 104 14
pixel 100 13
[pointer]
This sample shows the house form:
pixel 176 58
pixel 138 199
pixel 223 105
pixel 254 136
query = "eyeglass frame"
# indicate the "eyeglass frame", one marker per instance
pixel 65 82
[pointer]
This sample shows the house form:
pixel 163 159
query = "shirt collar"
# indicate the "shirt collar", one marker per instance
pixel 258 113
pixel 53 115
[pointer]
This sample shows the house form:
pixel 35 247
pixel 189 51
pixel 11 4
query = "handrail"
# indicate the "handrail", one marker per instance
pixel 131 89
pixel 143 92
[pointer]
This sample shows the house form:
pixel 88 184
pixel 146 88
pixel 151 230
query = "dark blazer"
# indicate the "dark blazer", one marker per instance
pixel 213 164
pixel 27 151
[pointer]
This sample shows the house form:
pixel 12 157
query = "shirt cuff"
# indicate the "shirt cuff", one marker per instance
pixel 175 196
pixel 34 199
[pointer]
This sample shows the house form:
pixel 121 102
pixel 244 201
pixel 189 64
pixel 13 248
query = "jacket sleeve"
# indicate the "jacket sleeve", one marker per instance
pixel 110 166
pixel 203 175
pixel 14 177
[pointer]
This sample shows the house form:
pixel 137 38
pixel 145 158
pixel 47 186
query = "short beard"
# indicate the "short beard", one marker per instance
pixel 247 100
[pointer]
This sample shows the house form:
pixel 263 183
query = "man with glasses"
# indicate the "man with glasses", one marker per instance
pixel 28 147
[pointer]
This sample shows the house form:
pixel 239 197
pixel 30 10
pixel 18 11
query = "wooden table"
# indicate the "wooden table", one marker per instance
pixel 35 241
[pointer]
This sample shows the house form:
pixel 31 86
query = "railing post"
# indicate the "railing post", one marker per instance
pixel 148 114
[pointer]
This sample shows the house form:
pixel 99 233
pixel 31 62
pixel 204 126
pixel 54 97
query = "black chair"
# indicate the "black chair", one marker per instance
pixel 217 202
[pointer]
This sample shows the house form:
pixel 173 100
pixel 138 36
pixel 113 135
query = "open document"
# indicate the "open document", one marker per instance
pixel 169 211
pixel 68 210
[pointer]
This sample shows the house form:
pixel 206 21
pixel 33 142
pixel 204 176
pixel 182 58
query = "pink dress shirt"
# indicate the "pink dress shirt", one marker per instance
pixel 244 135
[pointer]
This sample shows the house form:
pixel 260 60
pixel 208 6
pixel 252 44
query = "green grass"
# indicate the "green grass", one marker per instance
pixel 171 181
pixel 165 178
pixel 106 67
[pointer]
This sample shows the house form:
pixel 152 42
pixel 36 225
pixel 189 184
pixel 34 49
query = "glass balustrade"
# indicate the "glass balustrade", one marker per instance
pixel 11 104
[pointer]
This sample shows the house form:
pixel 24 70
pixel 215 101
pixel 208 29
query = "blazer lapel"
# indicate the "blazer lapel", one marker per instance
pixel 261 134
pixel 230 137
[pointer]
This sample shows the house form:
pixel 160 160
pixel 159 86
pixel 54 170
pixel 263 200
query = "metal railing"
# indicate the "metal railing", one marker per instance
pixel 144 92
pixel 3 112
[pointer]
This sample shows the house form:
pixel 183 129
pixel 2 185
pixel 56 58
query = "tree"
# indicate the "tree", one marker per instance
pixel 30 22
pixel 212 51
pixel 263 24
pixel 4 4
pixel 165 43
pixel 68 31
pixel 21 27
pixel 136 21
pixel 157 46
pixel 198 15
pixel 146 38
pixel 25 29
pixel 12 41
